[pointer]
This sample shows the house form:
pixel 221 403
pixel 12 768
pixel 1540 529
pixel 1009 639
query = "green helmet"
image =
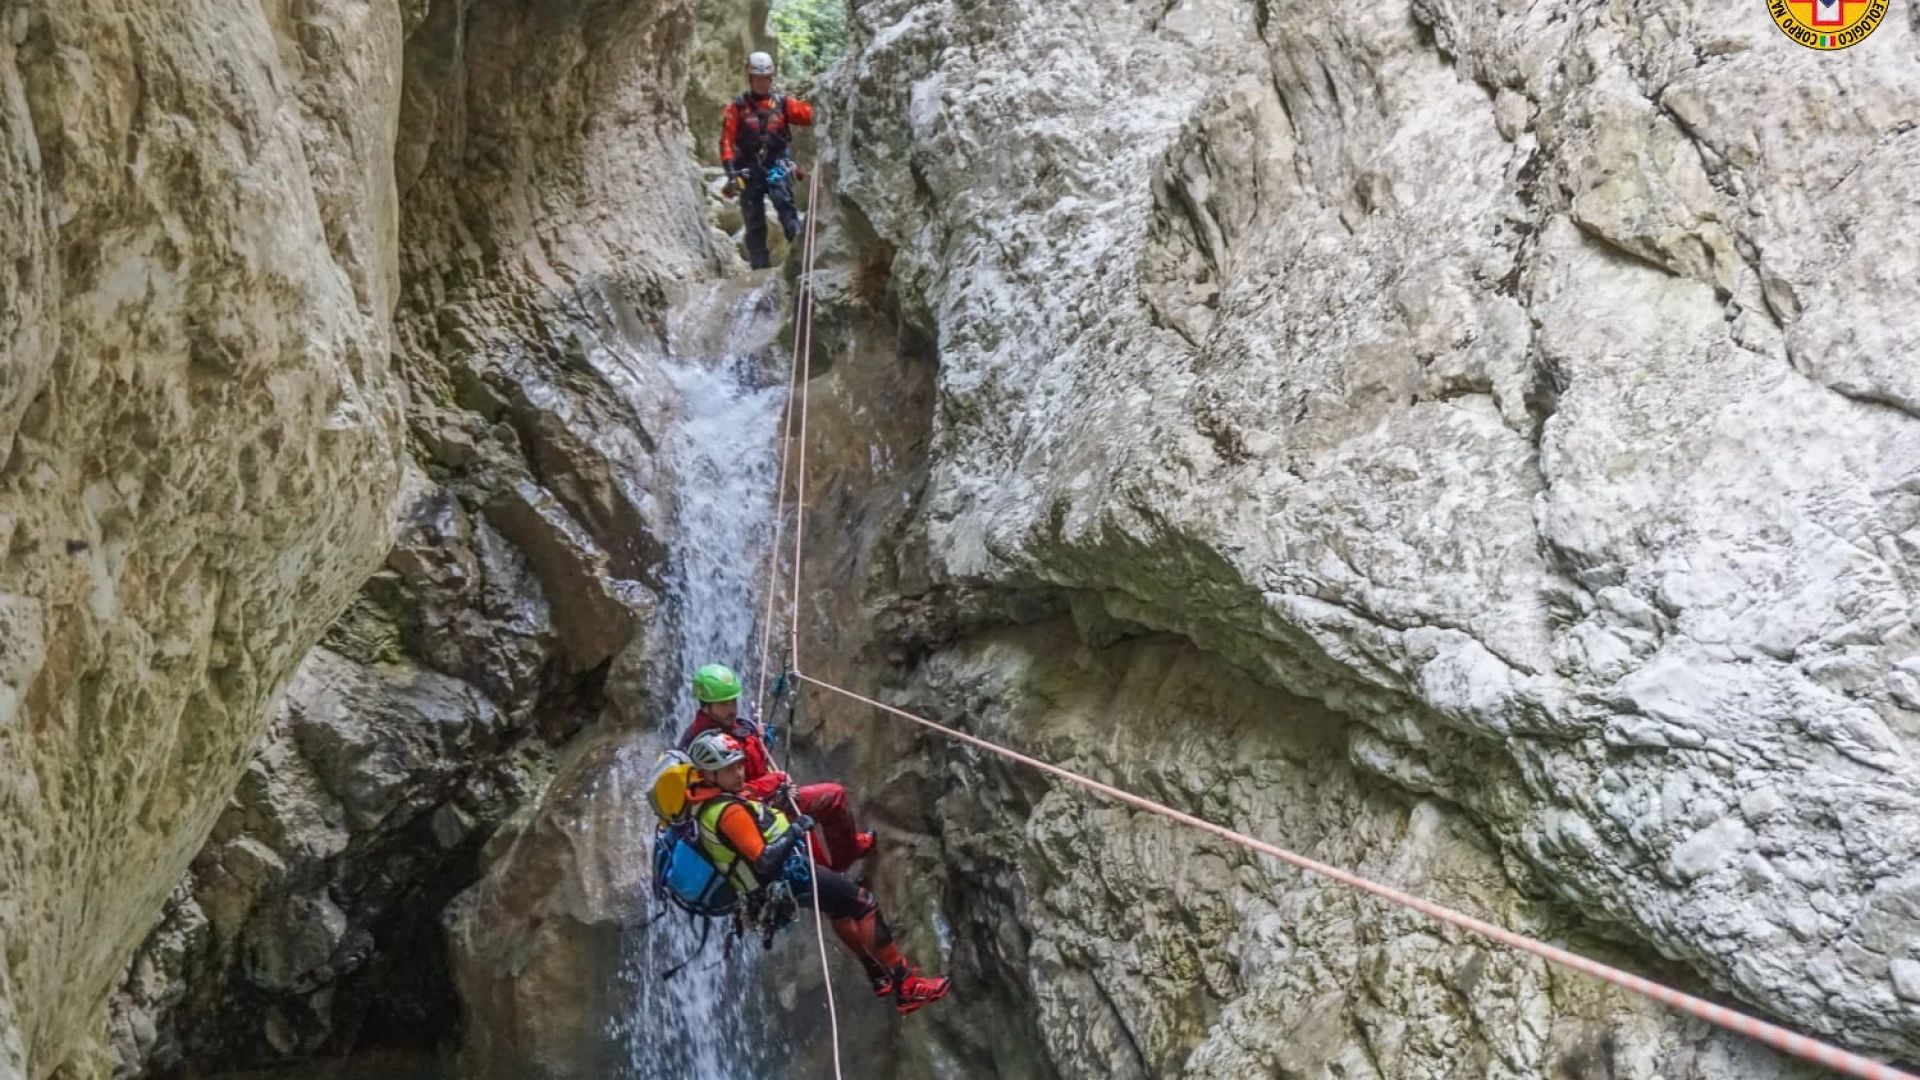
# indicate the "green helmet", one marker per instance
pixel 715 682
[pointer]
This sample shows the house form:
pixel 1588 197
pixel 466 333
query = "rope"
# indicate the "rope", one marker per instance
pixel 803 370
pixel 780 496
pixel 1779 1038
pixel 800 470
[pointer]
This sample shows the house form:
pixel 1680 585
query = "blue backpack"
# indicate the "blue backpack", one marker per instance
pixel 682 873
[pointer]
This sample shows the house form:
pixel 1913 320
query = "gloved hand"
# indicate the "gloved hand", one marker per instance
pixel 804 823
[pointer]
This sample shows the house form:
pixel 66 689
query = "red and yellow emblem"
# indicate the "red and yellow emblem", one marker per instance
pixel 1827 24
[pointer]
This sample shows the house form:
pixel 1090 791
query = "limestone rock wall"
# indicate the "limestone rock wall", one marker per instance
pixel 199 438
pixel 1507 384
pixel 536 946
pixel 548 210
pixel 1149 952
pixel 1444 439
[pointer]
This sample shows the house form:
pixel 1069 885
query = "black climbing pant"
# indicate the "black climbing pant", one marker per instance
pixel 841 897
pixel 753 209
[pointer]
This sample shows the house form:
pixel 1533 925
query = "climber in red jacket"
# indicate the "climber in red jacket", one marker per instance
pixel 839 843
pixel 756 132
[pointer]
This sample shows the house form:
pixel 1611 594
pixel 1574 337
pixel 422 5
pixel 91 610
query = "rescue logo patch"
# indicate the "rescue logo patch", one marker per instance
pixel 1827 24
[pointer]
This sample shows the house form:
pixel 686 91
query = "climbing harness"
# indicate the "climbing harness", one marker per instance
pixel 778 173
pixel 763 130
pixel 793 672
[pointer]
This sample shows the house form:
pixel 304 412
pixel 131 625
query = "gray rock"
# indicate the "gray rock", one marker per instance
pixel 322 840
pixel 1542 449
pixel 1709 849
pixel 200 430
pixel 1146 949
pixel 547 211
pixel 290 939
pixel 605 610
pixel 1906 979
pixel 536 943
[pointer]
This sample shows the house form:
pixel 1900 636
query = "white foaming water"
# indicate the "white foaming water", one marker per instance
pixel 722 451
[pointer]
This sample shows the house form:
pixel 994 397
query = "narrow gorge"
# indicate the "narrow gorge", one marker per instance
pixel 1474 446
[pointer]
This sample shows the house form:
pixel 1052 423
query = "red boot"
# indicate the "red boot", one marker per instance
pixel 911 990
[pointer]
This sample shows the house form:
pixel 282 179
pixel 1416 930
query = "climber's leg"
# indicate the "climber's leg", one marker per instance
pixel 753 211
pixel 827 804
pixel 782 195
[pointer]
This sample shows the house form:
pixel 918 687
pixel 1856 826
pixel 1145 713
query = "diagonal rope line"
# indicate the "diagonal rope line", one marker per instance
pixel 1773 1035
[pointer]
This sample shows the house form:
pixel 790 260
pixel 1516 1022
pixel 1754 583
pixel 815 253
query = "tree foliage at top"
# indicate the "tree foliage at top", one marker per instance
pixel 812 33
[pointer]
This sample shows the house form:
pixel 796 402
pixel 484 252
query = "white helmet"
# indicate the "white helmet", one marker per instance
pixel 715 750
pixel 759 64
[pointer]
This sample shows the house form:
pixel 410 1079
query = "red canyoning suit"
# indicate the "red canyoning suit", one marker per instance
pixel 756 132
pixel 757 129
pixel 824 803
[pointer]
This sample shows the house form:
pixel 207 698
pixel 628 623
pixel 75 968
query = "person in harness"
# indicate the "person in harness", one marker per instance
pixel 755 847
pixel 839 843
pixel 756 133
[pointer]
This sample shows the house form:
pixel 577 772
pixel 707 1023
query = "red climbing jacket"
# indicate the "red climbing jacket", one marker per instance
pixel 758 130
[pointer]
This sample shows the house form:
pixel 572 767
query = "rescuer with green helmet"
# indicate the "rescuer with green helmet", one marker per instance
pixel 838 842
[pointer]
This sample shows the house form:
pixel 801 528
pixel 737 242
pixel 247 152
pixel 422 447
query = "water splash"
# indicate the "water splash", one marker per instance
pixel 721 451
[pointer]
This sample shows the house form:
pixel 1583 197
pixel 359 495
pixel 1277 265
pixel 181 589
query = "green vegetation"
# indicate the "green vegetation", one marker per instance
pixel 812 33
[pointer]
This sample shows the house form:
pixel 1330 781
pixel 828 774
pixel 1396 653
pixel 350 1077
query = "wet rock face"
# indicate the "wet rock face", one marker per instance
pixel 199 438
pixel 536 945
pixel 1509 383
pixel 319 886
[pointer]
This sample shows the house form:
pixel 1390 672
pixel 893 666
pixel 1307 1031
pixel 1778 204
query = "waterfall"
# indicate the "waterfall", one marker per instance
pixel 722 453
